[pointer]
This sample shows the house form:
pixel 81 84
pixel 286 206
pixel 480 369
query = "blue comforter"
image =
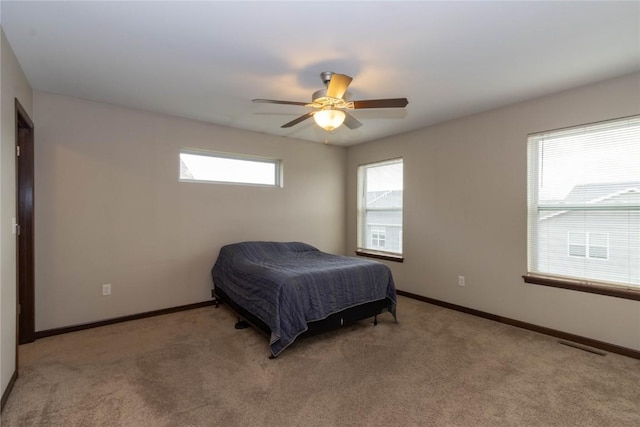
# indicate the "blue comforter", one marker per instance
pixel 287 285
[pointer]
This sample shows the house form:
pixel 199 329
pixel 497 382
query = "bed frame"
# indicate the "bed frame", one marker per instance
pixel 334 321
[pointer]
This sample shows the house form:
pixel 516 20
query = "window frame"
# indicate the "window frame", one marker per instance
pixel 361 250
pixel 378 235
pixel 619 290
pixel 591 245
pixel 587 245
pixel 571 243
pixel 277 163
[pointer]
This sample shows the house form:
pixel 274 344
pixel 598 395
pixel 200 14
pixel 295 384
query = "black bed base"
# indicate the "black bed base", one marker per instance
pixel 334 321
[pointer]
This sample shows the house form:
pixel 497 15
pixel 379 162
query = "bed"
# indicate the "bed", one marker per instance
pixel 286 289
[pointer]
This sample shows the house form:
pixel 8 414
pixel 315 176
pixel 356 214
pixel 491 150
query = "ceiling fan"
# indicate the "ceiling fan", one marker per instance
pixel 330 104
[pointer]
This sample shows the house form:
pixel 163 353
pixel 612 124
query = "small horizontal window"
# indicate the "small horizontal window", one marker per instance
pixel 202 166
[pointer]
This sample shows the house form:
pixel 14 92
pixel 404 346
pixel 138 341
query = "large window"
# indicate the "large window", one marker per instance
pixel 229 168
pixel 380 209
pixel 584 207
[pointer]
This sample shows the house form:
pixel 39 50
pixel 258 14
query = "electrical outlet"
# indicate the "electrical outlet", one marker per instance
pixel 106 289
pixel 461 281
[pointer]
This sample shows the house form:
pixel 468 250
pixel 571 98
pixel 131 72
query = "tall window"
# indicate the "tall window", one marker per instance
pixel 584 205
pixel 380 188
pixel 210 166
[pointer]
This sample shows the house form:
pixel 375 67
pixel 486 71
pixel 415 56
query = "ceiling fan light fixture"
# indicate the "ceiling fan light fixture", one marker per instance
pixel 329 103
pixel 329 118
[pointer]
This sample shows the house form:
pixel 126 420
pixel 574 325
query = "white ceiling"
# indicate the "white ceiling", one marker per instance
pixel 207 60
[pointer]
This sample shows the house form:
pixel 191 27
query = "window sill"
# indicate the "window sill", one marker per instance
pixel 591 287
pixel 380 255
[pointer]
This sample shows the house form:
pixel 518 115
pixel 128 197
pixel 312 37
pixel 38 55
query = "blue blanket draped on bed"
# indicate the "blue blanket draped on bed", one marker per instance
pixel 287 285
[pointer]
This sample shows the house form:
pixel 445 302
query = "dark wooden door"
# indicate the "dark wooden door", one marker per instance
pixel 25 228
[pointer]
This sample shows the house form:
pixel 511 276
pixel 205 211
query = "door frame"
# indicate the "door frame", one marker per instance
pixel 25 277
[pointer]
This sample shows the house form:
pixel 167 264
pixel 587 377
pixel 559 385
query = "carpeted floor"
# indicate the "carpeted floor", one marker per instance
pixel 437 367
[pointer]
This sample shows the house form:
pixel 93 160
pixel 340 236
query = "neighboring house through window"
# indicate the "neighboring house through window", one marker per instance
pixel 584 206
pixel 380 191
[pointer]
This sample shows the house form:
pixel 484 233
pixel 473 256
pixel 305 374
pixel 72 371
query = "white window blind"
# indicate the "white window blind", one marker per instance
pixel 584 203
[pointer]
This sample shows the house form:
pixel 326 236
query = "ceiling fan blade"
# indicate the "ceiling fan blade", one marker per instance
pixel 351 122
pixel 338 85
pixel 275 101
pixel 381 103
pixel 298 120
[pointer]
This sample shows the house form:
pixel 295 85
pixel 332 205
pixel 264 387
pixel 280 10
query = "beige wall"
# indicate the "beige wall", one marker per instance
pixel 465 212
pixel 13 84
pixel 110 209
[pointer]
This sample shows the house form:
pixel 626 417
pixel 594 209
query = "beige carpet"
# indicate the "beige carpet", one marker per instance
pixel 437 367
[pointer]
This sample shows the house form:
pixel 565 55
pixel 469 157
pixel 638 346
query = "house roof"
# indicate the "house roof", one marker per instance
pixel 601 192
pixel 598 194
pixel 384 199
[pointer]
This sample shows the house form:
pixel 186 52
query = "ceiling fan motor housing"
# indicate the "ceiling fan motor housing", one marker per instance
pixel 326 77
pixel 320 97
